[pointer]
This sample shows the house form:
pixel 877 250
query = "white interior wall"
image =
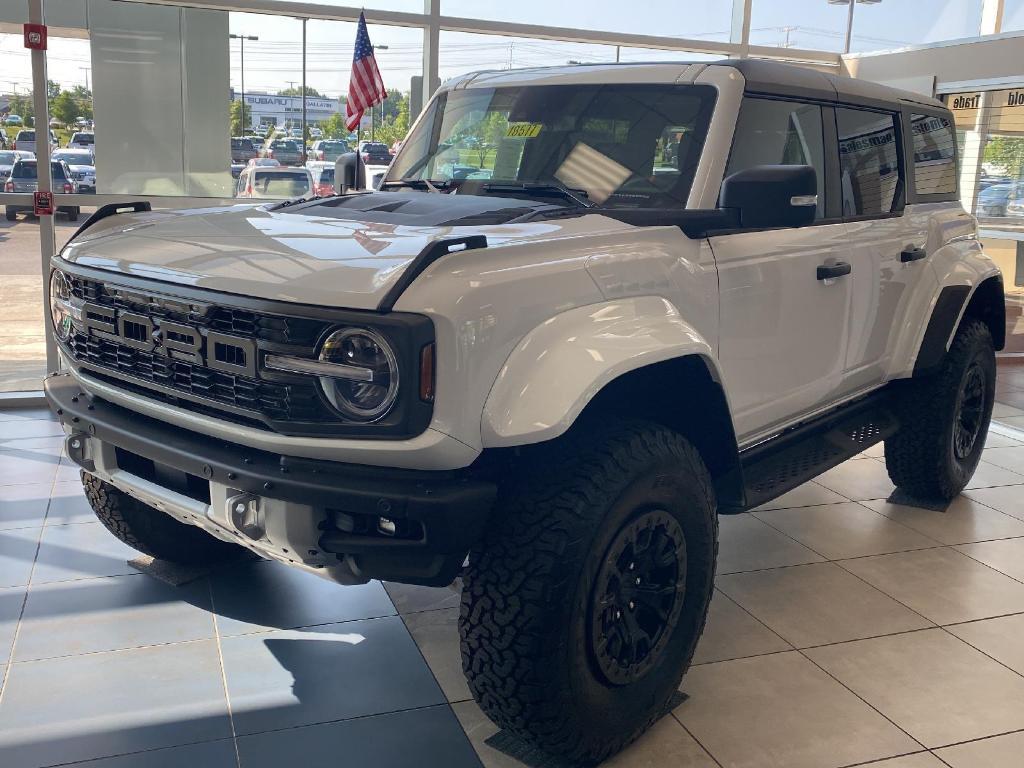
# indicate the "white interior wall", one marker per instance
pixel 160 93
pixel 987 59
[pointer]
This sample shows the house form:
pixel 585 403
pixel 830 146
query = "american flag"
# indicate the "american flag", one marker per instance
pixel 365 88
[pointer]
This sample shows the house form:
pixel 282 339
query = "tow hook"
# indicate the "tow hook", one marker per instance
pixel 246 513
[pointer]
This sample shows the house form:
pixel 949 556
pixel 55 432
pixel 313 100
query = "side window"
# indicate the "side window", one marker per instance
pixel 868 161
pixel 773 132
pixel 934 155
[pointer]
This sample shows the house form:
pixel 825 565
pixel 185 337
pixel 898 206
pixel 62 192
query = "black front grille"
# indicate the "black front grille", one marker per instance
pixel 252 401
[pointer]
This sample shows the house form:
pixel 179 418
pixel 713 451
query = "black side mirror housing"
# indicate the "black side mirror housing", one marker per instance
pixel 770 196
pixel 345 173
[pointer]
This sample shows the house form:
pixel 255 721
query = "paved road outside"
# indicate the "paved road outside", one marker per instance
pixel 22 347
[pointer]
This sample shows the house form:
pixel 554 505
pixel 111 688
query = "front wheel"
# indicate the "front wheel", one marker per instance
pixel 582 608
pixel 944 419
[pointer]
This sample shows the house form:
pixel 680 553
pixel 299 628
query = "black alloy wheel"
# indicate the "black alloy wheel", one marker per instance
pixel 970 411
pixel 637 596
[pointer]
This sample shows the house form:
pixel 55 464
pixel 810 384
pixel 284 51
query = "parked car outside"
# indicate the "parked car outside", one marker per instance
pixel 83 140
pixel 236 170
pixel 23 179
pixel 13 120
pixel 315 132
pixel 26 140
pixel 375 153
pixel 8 158
pixel 1015 205
pixel 83 169
pixel 993 201
pixel 242 149
pixel 257 143
pixel 265 162
pixel 287 151
pixel 323 177
pixel 328 149
pixel 257 181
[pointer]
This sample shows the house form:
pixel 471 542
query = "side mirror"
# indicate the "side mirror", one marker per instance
pixel 768 196
pixel 345 173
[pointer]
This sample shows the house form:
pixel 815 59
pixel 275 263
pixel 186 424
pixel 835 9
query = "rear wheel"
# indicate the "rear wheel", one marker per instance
pixel 73 214
pixel 11 214
pixel 944 419
pixel 153 532
pixel 582 608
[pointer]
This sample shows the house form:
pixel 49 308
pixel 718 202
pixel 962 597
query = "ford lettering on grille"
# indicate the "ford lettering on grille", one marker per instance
pixel 219 351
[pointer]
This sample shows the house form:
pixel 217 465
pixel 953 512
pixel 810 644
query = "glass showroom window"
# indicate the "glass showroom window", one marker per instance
pixel 703 21
pixel 814 25
pixel 22 340
pixel 462 52
pixel 990 132
pixel 896 23
pixel 1013 15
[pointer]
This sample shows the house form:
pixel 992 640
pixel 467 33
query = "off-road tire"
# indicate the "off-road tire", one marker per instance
pixel 11 215
pixel 922 456
pixel 526 615
pixel 153 532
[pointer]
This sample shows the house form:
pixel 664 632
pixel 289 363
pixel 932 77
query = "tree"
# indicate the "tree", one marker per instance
pixel 393 103
pixel 334 127
pixel 241 118
pixel 21 104
pixel 64 108
pixel 297 91
pixel 83 97
pixel 52 89
pixel 1007 152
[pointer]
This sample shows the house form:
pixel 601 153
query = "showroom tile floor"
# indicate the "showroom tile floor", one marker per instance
pixel 845 630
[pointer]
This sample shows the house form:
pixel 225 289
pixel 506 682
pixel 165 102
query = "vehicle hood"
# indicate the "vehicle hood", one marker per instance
pixel 330 256
pixel 89 169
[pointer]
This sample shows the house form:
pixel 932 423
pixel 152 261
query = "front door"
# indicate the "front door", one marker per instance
pixel 782 345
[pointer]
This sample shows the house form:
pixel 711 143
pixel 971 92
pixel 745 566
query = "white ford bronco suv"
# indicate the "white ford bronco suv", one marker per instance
pixel 588 310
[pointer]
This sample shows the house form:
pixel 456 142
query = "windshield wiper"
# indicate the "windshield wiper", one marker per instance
pixel 577 196
pixel 418 183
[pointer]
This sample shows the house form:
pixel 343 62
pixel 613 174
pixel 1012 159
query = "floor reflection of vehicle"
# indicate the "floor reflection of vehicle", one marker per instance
pixel 262 181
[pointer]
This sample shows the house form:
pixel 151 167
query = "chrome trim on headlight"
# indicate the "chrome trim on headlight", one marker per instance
pixel 290 364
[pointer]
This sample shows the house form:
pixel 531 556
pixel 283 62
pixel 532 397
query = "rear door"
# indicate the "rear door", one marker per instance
pixel 782 345
pixel 887 242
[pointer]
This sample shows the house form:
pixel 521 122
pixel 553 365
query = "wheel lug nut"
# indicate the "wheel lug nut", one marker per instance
pixel 618 615
pixel 632 605
pixel 638 581
pixel 632 566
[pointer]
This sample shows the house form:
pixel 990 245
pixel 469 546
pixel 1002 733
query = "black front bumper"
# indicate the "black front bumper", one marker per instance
pixel 447 510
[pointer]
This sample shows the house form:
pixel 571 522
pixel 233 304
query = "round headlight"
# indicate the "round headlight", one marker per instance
pixel 370 387
pixel 60 304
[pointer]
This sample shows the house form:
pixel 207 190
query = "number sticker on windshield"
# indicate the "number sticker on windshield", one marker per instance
pixel 523 130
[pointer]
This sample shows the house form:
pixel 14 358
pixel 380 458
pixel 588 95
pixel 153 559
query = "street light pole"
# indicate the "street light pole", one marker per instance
pixel 242 39
pixel 373 126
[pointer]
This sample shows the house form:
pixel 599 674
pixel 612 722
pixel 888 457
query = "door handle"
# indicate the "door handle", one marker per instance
pixel 912 253
pixel 829 271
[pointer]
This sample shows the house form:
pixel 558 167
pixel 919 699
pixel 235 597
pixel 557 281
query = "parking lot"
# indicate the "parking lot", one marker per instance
pixel 22 347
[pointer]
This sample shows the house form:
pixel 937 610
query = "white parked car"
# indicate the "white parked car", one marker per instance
pixel 674 291
pixel 83 171
pixel 262 181
pixel 83 140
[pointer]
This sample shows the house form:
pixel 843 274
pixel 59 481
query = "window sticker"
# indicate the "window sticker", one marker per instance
pixel 523 130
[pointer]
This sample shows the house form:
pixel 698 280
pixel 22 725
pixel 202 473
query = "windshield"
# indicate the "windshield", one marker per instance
pixel 281 184
pixel 628 145
pixel 25 170
pixel 8 158
pixel 74 158
pixel 82 138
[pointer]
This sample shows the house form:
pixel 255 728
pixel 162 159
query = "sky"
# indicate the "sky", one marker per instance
pixel 274 61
